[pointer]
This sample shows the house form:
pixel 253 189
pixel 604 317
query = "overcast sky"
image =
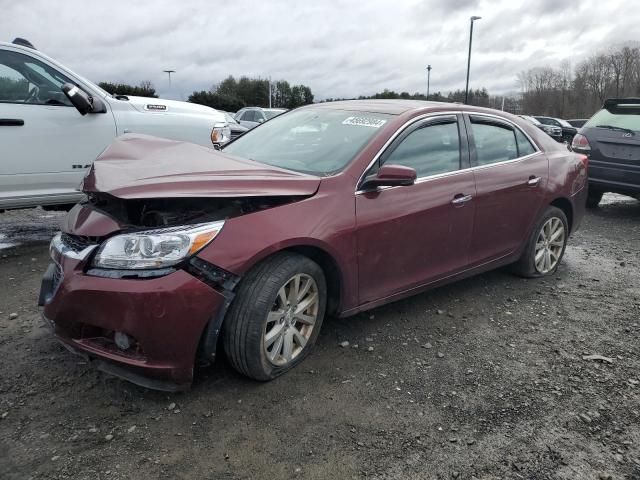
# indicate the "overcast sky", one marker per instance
pixel 340 48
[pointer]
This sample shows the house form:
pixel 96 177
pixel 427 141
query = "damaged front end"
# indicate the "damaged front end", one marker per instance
pixel 126 285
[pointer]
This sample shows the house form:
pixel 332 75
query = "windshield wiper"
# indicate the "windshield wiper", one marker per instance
pixel 621 129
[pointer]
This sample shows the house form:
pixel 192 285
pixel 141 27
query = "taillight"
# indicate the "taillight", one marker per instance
pixel 580 143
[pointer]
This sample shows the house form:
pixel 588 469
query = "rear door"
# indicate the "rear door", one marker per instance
pixel 45 143
pixel 412 235
pixel 511 174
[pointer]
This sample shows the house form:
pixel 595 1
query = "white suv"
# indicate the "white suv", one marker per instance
pixel 54 123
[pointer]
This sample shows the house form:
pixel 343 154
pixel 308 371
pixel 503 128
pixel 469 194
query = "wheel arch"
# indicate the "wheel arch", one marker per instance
pixel 565 205
pixel 332 272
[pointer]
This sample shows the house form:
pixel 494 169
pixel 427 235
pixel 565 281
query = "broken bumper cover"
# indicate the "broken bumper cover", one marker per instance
pixel 159 321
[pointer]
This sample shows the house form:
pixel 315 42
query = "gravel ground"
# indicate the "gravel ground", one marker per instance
pixel 489 378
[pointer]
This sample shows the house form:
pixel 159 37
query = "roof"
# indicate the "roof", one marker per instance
pixel 393 107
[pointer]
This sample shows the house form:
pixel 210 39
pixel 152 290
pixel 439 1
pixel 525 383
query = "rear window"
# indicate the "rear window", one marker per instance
pixel 622 117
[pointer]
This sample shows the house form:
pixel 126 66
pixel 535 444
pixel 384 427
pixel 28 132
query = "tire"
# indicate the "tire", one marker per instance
pixel 593 198
pixel 259 301
pixel 527 266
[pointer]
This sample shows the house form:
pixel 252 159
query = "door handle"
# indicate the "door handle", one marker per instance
pixel 11 122
pixel 533 181
pixel 461 199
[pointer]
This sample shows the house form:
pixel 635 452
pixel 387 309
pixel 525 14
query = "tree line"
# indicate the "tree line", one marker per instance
pixel 145 89
pixel 578 93
pixel 232 95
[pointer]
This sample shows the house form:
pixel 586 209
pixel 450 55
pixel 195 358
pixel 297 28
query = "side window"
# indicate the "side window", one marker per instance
pixel 494 143
pixel 430 150
pixel 14 87
pixel 24 79
pixel 524 145
pixel 249 116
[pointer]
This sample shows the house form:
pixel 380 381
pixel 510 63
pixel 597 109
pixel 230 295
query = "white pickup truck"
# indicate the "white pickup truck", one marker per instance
pixel 54 123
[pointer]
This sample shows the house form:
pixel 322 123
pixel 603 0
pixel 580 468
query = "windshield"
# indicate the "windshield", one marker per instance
pixel 564 123
pixel 310 140
pixel 272 113
pixel 547 121
pixel 623 117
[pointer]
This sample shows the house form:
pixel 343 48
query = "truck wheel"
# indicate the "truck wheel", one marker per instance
pixel 593 198
pixel 276 316
pixel 545 246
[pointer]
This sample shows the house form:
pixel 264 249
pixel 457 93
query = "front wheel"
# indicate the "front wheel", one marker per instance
pixel 545 246
pixel 276 316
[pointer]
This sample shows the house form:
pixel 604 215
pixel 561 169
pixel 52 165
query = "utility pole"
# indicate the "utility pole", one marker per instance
pixel 169 72
pixel 269 92
pixel 428 79
pixel 466 90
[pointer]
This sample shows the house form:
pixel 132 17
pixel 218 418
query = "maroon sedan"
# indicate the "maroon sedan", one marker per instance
pixel 328 209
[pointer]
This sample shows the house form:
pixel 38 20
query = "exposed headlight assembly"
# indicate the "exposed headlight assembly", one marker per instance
pixel 153 249
pixel 220 134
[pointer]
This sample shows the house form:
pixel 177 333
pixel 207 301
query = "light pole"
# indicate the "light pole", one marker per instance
pixel 428 79
pixel 169 72
pixel 466 90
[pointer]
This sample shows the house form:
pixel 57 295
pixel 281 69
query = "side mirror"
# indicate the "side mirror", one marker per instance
pixel 391 176
pixel 78 98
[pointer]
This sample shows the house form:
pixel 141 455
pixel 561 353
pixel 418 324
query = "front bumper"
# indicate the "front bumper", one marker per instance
pixel 163 317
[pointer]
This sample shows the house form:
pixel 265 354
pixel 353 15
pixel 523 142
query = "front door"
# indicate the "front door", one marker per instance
pixel 511 175
pixel 412 235
pixel 46 144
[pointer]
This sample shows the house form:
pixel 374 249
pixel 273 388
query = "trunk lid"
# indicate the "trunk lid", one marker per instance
pixel 142 166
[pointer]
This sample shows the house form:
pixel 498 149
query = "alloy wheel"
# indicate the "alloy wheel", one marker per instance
pixel 291 320
pixel 549 245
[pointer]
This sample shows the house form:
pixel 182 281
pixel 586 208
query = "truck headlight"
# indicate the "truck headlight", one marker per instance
pixel 157 248
pixel 220 134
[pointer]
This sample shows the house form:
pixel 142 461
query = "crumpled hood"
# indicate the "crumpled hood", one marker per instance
pixel 142 166
pixel 160 105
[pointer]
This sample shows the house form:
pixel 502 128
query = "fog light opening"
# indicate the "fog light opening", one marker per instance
pixel 123 341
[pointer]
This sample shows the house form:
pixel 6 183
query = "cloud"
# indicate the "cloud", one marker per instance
pixel 339 48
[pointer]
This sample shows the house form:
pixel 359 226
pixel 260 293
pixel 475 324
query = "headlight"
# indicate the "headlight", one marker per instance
pixel 155 248
pixel 220 134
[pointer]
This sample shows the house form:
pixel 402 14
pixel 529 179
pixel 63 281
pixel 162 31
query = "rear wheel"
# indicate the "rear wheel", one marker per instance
pixel 593 198
pixel 546 245
pixel 276 316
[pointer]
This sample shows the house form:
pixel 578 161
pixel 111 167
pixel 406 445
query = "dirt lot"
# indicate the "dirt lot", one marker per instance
pixel 485 378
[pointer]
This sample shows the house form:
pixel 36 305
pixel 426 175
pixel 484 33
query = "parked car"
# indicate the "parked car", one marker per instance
pixel 374 201
pixel 567 130
pixel 611 139
pixel 48 145
pixel 235 127
pixel 553 131
pixel 251 117
pixel 577 122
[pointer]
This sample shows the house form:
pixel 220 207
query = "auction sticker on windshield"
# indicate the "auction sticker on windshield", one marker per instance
pixel 364 122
